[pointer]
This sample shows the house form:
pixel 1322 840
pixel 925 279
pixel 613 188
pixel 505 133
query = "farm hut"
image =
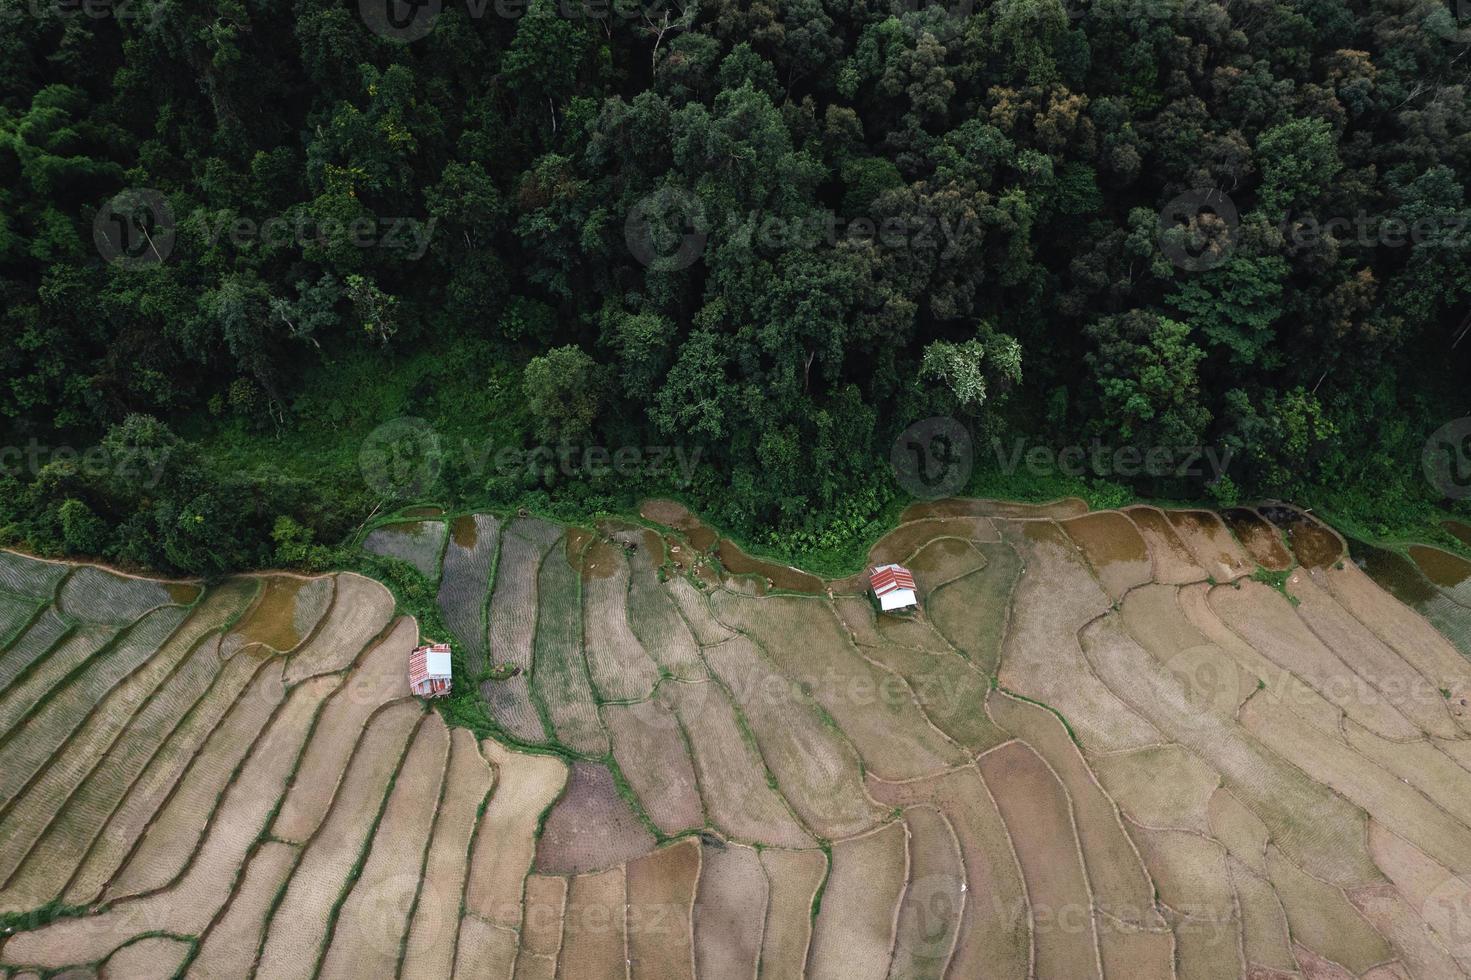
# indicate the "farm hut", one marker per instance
pixel 429 671
pixel 893 586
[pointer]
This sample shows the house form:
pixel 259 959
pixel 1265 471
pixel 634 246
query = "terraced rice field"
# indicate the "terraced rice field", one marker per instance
pixel 1099 748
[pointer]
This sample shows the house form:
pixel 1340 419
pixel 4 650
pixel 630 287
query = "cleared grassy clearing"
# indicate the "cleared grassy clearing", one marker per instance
pixel 466 582
pixel 853 934
pixel 1159 786
pixel 730 912
pixel 792 880
pixel 559 678
pixel 374 919
pixel 650 750
pixel 1114 548
pixel 1211 542
pixel 417 542
pixel 873 707
pixel 817 771
pixel 31 577
pixel 1265 620
pixel 660 896
pixel 505 840
pixel 971 612
pixel 287 610
pixel 381 677
pixel 361 611
pixel 619 667
pixel 1262 541
pixel 229 947
pixel 1035 807
pixel 430 946
pixel 49 670
pixel 1264 940
pixel 733 778
pixel 995 932
pixel 934 900
pixel 513 615
pixel 150 958
pixel 1040 657
pixel 198 684
pixel 1190 873
pixel 189 905
pixel 94 595
pixel 1314 826
pixel 1321 917
pixel 591 827
pixel 302 920
pixel 39 636
pixel 1121 889
pixel 1173 561
pixel 173 832
pixel 1239 830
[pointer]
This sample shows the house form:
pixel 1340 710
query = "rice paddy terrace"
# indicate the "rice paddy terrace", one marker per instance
pixel 1129 743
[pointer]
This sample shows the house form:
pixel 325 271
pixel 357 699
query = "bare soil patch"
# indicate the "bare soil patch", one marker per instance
pixel 853 934
pixel 1115 549
pixel 792 879
pixel 1262 541
pixel 1211 542
pixel 505 841
pixel 730 912
pixel 1174 563
pixel 660 926
pixel 594 940
pixel 619 667
pixel 591 827
pixel 650 749
pixel 1159 785
pixel 229 948
pixel 361 611
pixel 934 900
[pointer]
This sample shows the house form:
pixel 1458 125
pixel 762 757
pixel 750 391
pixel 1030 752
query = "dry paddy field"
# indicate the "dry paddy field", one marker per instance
pixel 1139 744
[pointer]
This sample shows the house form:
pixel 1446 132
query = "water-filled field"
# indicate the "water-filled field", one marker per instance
pixel 1133 744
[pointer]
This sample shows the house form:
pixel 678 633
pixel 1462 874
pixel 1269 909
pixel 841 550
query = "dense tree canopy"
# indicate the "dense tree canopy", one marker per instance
pixel 781 231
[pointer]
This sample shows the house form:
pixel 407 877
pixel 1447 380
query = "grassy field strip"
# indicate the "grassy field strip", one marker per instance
pixel 650 750
pixel 817 769
pixel 429 949
pixel 40 635
pixel 1321 918
pixel 934 900
pixel 541 932
pixel 16 615
pixel 1173 561
pixel 1268 622
pixel 381 677
pixel 465 584
pixel 652 613
pixel 660 912
pixel 59 851
pixel 1113 548
pixel 1191 875
pixel 1035 807
pixel 559 676
pixel 30 577
pixel 146 794
pixel 792 881
pixel 50 670
pixel 1428 887
pixel 301 921
pixel 996 927
pixel 93 595
pixel 1264 940
pixel 592 826
pixel 1406 632
pixel 1314 825
pixel 730 912
pixel 1416 696
pixel 361 611
pixel 188 906
pixel 853 934
pixel 594 936
pixel 971 613
pixel 732 776
pixel 874 708
pixel 370 929
pixel 229 946
pixel 505 840
pixel 166 836
pixel 1121 886
pixel 513 618
pixel 91 712
pixel 1211 542
pixel 1384 796
pixel 1040 658
pixel 1158 786
pixel 417 542
pixel 618 665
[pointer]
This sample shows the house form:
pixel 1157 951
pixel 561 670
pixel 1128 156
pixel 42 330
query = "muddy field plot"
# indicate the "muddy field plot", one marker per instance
pixel 1098 748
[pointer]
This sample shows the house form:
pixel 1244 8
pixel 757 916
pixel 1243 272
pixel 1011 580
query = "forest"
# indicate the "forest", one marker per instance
pixel 731 249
